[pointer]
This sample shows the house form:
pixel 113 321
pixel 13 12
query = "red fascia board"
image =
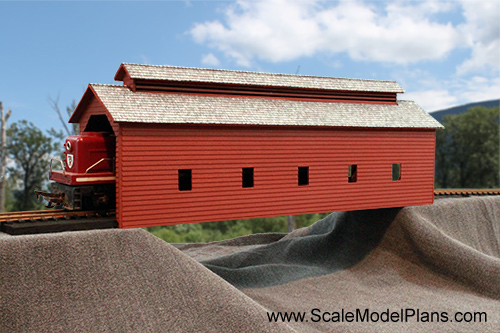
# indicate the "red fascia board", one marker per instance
pixel 123 75
pixel 312 129
pixel 87 95
pixel 82 105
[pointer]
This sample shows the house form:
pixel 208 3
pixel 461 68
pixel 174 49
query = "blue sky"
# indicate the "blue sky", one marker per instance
pixel 443 53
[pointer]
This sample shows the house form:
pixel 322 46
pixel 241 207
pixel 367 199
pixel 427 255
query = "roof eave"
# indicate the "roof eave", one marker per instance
pixel 75 117
pixel 86 98
pixel 123 75
pixel 121 72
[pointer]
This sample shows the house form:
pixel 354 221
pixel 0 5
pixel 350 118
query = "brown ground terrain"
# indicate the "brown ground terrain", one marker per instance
pixel 430 261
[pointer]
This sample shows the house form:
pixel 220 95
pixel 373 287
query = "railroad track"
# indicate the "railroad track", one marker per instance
pixel 465 192
pixel 46 221
pixel 54 215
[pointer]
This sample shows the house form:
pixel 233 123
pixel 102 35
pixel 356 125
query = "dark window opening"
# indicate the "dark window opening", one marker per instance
pixel 303 176
pixel 185 180
pixel 353 173
pixel 98 123
pixel 396 172
pixel 247 177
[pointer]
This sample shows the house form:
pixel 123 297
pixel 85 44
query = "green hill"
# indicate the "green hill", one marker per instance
pixel 438 115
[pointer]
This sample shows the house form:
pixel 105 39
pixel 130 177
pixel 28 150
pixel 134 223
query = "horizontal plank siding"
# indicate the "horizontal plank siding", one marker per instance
pixel 94 107
pixel 119 178
pixel 149 157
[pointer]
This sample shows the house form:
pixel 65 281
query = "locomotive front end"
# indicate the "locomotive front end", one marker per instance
pixel 86 177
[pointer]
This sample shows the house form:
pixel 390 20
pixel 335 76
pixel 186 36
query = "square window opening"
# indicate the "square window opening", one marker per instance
pixel 353 173
pixel 247 177
pixel 185 180
pixel 303 176
pixel 396 172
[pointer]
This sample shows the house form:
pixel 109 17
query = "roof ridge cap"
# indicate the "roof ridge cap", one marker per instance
pixel 107 85
pixel 264 73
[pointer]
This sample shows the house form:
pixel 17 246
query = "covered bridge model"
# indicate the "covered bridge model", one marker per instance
pixel 199 145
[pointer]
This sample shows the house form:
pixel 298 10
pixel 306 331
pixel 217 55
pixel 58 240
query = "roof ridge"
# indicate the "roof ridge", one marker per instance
pixel 107 85
pixel 254 72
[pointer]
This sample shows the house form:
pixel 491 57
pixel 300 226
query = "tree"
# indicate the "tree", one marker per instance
pixel 75 128
pixel 467 150
pixel 30 151
pixel 291 223
pixel 4 117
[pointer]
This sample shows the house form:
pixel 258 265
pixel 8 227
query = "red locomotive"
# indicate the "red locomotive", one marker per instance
pixel 87 178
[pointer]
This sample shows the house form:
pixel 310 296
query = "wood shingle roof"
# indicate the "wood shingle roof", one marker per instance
pixel 125 105
pixel 231 77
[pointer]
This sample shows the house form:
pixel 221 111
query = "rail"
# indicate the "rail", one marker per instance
pixel 51 215
pixel 465 192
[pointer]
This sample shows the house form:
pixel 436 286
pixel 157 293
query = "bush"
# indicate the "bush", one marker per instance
pixel 216 231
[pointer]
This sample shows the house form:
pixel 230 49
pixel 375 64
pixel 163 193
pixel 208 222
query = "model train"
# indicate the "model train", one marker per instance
pixel 86 180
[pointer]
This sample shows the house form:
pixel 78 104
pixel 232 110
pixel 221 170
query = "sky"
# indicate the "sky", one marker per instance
pixel 443 53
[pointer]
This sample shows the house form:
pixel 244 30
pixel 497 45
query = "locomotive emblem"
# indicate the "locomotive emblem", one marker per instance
pixel 70 158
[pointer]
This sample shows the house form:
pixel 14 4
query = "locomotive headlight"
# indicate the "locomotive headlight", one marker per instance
pixel 68 146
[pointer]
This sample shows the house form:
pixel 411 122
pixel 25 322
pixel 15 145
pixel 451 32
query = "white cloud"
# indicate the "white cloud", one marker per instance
pixel 144 59
pixel 479 88
pixel 210 60
pixel 482 35
pixel 280 30
pixel 441 94
pixel 432 100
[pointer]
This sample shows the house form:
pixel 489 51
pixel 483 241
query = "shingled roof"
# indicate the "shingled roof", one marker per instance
pixel 202 75
pixel 125 105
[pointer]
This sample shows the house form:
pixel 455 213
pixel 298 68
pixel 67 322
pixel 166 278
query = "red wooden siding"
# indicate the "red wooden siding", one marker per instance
pixel 149 157
pixel 119 179
pixel 95 107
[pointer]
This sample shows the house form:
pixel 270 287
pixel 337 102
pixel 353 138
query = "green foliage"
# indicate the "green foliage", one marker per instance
pixel 9 196
pixel 467 150
pixel 302 221
pixel 30 150
pixel 216 231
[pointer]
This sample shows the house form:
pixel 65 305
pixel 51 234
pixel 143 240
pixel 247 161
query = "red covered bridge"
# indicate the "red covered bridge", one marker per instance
pixel 199 145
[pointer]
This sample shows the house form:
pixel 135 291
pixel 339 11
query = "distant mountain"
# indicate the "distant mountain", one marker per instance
pixel 438 115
